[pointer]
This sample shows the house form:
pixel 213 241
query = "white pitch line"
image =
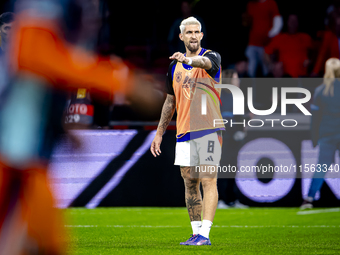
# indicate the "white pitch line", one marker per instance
pixel 216 226
pixel 120 226
pixel 318 211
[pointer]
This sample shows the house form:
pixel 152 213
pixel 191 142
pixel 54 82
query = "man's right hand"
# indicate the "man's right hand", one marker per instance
pixel 156 146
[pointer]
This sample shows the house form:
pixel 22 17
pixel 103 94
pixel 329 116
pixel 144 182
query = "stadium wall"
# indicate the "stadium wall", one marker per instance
pixel 116 168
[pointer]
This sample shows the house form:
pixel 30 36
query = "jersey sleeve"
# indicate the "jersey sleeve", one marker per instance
pixel 274 9
pixel 215 59
pixel 169 89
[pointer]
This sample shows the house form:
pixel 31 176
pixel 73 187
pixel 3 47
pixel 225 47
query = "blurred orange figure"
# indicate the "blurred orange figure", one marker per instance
pixel 40 66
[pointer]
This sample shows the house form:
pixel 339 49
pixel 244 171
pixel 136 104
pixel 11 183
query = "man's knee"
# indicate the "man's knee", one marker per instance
pixel 188 172
pixel 185 172
pixel 190 182
pixel 209 182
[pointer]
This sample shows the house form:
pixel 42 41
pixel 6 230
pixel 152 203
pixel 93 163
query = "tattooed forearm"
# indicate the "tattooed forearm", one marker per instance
pixel 201 62
pixel 168 111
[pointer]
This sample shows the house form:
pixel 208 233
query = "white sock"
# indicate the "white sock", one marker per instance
pixel 205 229
pixel 196 225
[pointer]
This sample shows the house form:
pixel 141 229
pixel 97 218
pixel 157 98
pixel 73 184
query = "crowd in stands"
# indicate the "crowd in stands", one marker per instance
pixel 293 51
pixel 276 48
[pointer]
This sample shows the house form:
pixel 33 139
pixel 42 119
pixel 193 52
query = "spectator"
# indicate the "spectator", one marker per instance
pixel 241 67
pixel 293 49
pixel 277 72
pixel 266 22
pixel 175 44
pixel 325 126
pixel 329 48
pixel 332 12
pixel 6 22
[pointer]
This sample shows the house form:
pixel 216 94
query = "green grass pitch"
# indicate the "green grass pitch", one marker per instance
pixel 235 231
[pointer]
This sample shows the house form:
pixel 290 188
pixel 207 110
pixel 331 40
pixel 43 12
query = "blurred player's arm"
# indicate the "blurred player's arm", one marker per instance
pixel 43 52
pixel 168 111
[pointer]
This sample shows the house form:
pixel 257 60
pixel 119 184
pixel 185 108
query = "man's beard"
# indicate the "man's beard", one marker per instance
pixel 193 49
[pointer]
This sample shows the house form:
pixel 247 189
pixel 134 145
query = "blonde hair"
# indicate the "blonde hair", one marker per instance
pixel 332 71
pixel 189 21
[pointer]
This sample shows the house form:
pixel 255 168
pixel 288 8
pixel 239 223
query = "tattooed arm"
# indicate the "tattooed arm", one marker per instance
pixel 197 61
pixel 201 62
pixel 211 61
pixel 167 113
